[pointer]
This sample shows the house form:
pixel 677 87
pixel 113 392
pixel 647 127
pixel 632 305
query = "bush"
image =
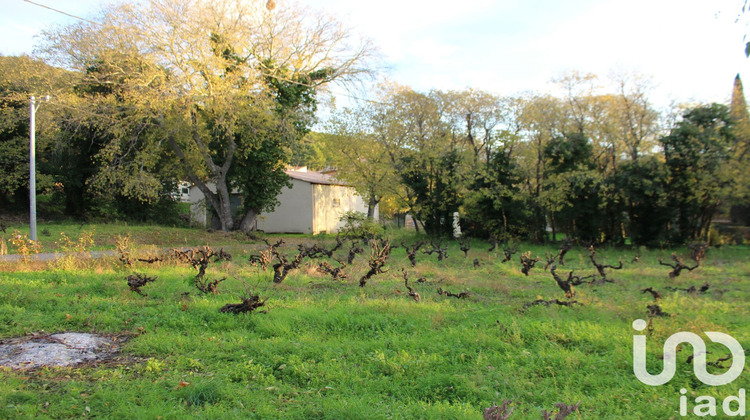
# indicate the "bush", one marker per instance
pixel 164 211
pixel 358 226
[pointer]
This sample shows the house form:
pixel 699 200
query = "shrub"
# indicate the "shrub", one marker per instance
pixel 358 226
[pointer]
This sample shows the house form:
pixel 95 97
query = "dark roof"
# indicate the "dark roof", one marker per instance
pixel 314 177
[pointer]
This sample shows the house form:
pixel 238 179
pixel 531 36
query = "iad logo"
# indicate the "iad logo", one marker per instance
pixel 699 357
pixel 705 405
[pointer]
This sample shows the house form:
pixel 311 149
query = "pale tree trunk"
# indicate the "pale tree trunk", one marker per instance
pixel 224 211
pixel 219 200
pixel 248 221
pixel 371 204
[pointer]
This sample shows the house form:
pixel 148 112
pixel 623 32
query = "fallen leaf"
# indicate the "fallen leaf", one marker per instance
pixel 183 384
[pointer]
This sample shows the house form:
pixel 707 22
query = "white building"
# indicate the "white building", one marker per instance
pixel 182 193
pixel 314 204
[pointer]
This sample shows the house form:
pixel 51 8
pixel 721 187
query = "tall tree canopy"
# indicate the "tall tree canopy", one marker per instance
pixel 221 88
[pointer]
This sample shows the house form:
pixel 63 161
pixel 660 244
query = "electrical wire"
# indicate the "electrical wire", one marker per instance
pixel 61 12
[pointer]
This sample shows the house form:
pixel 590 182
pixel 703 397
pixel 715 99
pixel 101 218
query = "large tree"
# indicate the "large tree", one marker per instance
pixel 23 77
pixel 359 158
pixel 223 87
pixel 698 154
pixel 740 210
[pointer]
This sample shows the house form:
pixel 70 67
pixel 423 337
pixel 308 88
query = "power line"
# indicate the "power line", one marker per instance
pixel 61 12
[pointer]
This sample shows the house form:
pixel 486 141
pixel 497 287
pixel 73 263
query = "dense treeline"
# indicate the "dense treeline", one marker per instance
pixel 134 112
pixel 598 167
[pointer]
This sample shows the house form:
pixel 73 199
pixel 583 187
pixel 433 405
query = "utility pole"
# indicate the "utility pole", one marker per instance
pixel 32 167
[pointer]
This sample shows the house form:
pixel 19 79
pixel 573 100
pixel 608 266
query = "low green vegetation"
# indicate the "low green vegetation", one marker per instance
pixel 66 237
pixel 325 349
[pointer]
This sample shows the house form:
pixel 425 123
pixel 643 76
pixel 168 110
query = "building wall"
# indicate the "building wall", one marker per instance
pixel 332 201
pixel 198 209
pixel 294 214
pixel 305 208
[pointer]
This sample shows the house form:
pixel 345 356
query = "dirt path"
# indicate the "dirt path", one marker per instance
pixel 49 256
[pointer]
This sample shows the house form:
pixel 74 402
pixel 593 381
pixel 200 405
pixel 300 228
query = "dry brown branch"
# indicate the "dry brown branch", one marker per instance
pixel 248 304
pixel 200 258
pixel 411 251
pixel 317 251
pixel 601 268
pixel 437 248
pixel 462 295
pixel 264 258
pixel 550 259
pixel 354 249
pixel 138 280
pixel 282 268
pixel 559 302
pixel 563 284
pixel 691 289
pixel 564 410
pixel 502 412
pixel 336 273
pixel 208 286
pixel 508 253
pixel 678 266
pixel 412 292
pixel 655 310
pixel 379 252
pixel 123 248
pixel 566 246
pixel 654 293
pixel 527 262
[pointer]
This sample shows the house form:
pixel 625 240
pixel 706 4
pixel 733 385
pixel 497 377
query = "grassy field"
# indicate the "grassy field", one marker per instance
pixel 325 349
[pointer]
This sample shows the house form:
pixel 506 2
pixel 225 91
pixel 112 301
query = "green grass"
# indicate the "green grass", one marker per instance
pixel 330 350
pixel 105 235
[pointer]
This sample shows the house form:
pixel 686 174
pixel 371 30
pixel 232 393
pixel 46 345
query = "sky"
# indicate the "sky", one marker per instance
pixel 690 49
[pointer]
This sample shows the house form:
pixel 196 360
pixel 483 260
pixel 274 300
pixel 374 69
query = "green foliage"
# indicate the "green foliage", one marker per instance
pixel 224 114
pixel 568 153
pixel 697 154
pixel 434 183
pixel 644 184
pixel 259 173
pixel 580 215
pixel 574 191
pixel 358 226
pixel 23 77
pixel 206 392
pixel 494 204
